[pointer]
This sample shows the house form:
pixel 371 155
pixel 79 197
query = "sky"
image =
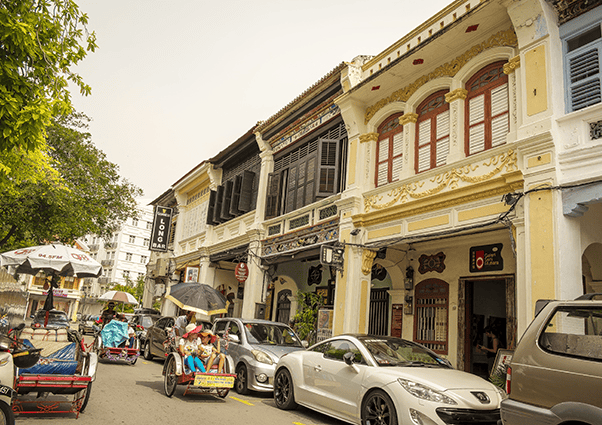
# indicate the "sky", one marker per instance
pixel 174 82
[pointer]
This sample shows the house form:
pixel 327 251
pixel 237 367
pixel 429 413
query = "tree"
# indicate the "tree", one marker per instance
pixel 306 318
pixel 39 44
pixel 82 194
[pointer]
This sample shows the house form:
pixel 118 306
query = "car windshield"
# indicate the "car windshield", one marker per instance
pixel 388 351
pixel 266 333
pixel 146 321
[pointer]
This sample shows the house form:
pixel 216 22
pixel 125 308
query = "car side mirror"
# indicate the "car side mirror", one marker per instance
pixel 234 338
pixel 348 358
pixel 305 344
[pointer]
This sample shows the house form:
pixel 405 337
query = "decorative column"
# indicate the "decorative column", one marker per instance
pixel 409 136
pixel 254 285
pixel 456 99
pixel 368 141
pixel 509 69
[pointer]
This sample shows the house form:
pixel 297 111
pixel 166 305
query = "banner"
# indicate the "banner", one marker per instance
pixel 161 228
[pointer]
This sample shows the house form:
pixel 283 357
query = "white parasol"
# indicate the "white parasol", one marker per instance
pixel 118 296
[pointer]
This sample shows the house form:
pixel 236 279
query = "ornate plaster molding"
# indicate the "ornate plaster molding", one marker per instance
pixel 368 137
pixel 367 260
pixel 449 69
pixel 512 64
pixel 505 162
pixel 410 117
pixel 570 9
pixel 456 95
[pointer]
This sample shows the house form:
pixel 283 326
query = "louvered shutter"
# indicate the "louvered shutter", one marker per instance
pixel 397 156
pixel 476 124
pixel 246 191
pixel 226 200
pixel 218 205
pixel 211 207
pixel 442 146
pixel 291 188
pixel 236 196
pixel 382 162
pixel 328 158
pixel 271 207
pixel 424 145
pixel 500 117
pixel 584 76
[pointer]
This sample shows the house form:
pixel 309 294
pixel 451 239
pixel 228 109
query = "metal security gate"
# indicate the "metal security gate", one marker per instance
pixel 283 306
pixel 378 323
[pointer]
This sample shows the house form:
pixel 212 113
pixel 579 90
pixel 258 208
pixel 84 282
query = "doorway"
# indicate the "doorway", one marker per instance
pixel 485 306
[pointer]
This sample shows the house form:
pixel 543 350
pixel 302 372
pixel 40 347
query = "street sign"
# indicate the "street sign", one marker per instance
pixel 241 272
pixel 331 256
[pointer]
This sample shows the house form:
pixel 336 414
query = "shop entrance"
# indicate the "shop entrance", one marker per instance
pixel 488 302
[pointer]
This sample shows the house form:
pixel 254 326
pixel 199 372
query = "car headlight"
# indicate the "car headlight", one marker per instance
pixel 424 392
pixel 262 357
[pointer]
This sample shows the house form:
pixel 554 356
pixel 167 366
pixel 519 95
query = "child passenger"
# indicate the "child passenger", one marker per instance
pixel 189 346
pixel 208 352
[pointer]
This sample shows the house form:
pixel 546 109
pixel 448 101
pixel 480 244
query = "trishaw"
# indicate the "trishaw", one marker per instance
pixel 50 361
pixel 177 373
pixel 115 354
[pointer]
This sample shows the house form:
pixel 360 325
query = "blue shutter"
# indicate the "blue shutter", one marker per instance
pixel 584 76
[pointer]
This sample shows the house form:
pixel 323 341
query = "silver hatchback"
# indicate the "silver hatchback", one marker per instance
pixel 253 348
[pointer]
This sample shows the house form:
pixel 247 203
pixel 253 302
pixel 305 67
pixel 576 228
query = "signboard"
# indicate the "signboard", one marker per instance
pixel 214 381
pixel 486 258
pixel 331 256
pixel 241 272
pixel 192 274
pixel 161 228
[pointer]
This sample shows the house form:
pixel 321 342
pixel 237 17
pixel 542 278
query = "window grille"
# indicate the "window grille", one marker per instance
pixel 328 212
pixel 274 230
pixel 431 315
pixel 299 221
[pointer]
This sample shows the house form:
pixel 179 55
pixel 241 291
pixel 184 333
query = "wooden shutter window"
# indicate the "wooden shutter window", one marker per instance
pixel 218 205
pixel 236 196
pixel 487 119
pixel 226 201
pixel 389 150
pixel 272 198
pixel 329 167
pixel 211 207
pixel 246 191
pixel 432 134
pixel 431 315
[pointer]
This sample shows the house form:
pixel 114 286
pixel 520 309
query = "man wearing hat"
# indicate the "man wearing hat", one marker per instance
pixel 108 313
pixel 189 346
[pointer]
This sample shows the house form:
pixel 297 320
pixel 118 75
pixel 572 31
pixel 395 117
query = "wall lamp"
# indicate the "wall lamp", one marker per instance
pixel 355 232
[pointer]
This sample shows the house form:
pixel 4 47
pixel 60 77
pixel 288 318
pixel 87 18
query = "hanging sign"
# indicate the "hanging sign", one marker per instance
pixel 486 258
pixel 241 272
pixel 161 228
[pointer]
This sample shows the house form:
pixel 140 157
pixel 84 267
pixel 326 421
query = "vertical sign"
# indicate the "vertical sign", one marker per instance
pixel 161 227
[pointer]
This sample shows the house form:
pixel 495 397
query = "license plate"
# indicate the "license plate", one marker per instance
pixel 213 381
pixel 7 391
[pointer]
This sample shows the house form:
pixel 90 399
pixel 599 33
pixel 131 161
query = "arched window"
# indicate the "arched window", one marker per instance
pixel 389 150
pixel 487 115
pixel 432 132
pixel 283 306
pixel 431 316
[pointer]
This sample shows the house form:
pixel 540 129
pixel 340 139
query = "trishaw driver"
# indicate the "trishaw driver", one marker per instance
pixel 108 313
pixel 182 321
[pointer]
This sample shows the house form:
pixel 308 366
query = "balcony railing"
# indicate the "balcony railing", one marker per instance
pixel 94 247
pixel 104 280
pixel 107 263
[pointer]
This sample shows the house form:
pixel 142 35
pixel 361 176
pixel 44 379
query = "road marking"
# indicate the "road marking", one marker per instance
pixel 298 423
pixel 242 401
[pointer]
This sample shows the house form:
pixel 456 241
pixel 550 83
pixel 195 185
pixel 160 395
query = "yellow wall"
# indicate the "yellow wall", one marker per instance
pixel 541 227
pixel 536 80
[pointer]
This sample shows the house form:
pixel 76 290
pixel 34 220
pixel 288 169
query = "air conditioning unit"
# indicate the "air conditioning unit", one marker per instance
pixel 161 267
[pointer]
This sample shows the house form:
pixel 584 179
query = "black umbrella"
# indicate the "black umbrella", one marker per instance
pixel 197 297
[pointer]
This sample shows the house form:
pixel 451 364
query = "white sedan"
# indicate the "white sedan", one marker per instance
pixel 374 380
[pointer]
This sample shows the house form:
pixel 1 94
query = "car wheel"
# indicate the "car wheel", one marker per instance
pixel 6 414
pixel 378 409
pixel 147 353
pixel 240 384
pixel 171 379
pixel 284 394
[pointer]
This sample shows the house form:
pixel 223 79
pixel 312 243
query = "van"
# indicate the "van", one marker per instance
pixel 555 375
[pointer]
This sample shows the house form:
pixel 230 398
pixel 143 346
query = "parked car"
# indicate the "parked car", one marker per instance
pixel 157 334
pixel 141 322
pixel 555 374
pixel 253 349
pixel 56 319
pixel 383 380
pixel 87 323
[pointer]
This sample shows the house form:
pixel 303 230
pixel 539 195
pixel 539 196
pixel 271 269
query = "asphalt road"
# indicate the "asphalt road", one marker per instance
pixel 124 394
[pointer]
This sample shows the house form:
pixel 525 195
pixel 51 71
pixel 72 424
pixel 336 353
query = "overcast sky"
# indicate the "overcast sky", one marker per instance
pixel 175 82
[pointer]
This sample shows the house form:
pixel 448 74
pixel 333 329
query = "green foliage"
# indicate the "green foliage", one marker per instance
pixel 306 318
pixel 39 44
pixel 75 191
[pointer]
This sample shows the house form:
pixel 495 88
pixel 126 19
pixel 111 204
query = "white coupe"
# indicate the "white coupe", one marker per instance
pixel 375 380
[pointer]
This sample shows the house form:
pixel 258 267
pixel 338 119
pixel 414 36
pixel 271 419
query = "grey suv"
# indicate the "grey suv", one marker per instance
pixel 253 347
pixel 555 375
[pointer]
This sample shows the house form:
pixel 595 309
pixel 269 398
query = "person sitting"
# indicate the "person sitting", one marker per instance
pixel 108 314
pixel 189 346
pixel 208 352
pixel 115 332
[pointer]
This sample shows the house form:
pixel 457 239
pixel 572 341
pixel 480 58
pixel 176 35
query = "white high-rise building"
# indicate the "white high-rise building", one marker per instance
pixel 126 255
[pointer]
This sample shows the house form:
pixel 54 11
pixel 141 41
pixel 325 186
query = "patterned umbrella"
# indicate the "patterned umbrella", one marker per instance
pixel 198 297
pixel 53 259
pixel 118 296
